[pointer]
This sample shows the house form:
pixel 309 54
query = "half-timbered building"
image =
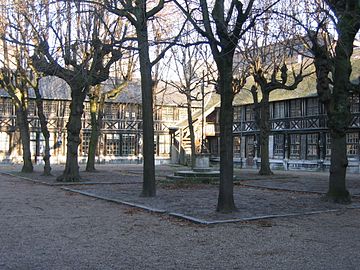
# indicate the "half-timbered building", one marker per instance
pixel 299 136
pixel 121 130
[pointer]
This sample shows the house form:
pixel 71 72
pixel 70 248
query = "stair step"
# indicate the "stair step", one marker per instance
pixel 175 177
pixel 192 174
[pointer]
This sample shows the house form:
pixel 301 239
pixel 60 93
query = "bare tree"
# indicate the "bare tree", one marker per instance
pixel 222 26
pixel 321 21
pixel 191 73
pixel 268 52
pixel 17 37
pixel 347 23
pixel 81 53
pixel 122 72
pixel 139 13
pixel 13 74
pixel 97 102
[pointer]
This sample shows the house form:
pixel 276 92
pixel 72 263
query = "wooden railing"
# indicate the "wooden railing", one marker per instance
pixel 318 122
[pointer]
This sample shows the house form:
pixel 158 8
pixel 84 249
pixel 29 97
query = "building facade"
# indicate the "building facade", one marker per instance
pixel 121 129
pixel 299 136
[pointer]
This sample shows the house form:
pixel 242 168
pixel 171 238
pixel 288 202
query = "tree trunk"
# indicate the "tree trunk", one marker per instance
pixel 21 115
pixel 337 188
pixel 264 126
pixel 71 172
pixel 44 131
pixel 339 111
pixel 226 202
pixel 149 185
pixel 94 137
pixel 192 133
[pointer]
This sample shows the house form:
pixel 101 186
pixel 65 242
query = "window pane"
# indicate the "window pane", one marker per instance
pixel 295 108
pixel 295 145
pixel 352 140
pixel 312 145
pixel 279 145
pixel 128 144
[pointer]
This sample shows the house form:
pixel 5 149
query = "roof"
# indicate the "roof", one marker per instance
pixel 54 88
pixel 307 88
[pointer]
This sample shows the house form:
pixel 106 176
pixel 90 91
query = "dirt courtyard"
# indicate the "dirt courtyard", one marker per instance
pixel 47 227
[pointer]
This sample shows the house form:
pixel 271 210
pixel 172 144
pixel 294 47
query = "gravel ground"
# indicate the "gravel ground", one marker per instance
pixel 44 227
pixel 199 201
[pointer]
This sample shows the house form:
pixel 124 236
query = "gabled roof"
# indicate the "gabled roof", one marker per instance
pixel 307 88
pixel 54 88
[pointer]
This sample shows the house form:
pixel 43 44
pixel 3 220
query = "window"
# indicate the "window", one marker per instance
pixel 279 145
pixel 250 146
pixel 279 110
pixel 355 104
pixel 64 109
pixel 164 144
pixel 312 146
pixel 176 114
pixel 182 113
pixel 157 113
pixel 328 144
pixel 128 144
pixel 249 112
pixel 85 142
pixel 312 107
pixel 237 114
pixel 33 143
pixel 168 113
pixel 352 140
pixel 295 108
pixel 295 140
pixel 237 145
pixel 110 111
pixel 122 109
pixel 4 142
pixel 86 110
pixel 139 112
pixel 50 108
pixel 31 108
pixel 6 107
pixel 112 145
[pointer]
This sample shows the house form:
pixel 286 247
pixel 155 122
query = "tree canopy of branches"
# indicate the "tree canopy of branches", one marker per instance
pixel 139 13
pixel 81 52
pixel 268 50
pixel 192 68
pixel 222 26
pixel 14 72
pixel 331 27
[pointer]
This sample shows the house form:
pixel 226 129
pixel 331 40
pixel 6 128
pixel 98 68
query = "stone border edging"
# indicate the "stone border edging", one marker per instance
pixel 183 216
pixel 143 207
pixel 203 221
pixel 67 183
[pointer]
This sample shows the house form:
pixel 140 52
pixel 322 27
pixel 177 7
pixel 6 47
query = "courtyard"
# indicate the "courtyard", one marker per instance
pixel 103 223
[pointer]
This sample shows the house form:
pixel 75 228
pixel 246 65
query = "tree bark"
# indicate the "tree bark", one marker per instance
pixel 21 115
pixel 71 172
pixel 44 131
pixel 339 110
pixel 226 202
pixel 264 126
pixel 191 130
pixel 149 185
pixel 337 186
pixel 94 137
